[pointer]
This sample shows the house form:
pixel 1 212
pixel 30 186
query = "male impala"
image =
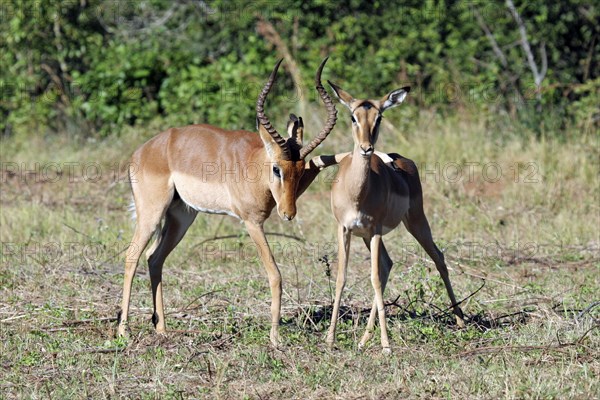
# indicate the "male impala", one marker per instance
pixel 370 198
pixel 180 172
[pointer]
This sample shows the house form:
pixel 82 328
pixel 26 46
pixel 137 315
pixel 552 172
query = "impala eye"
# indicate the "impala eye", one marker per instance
pixel 352 118
pixel 276 171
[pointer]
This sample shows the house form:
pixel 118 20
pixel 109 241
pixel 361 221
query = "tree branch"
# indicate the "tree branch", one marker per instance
pixel 266 29
pixel 544 60
pixel 538 76
pixel 491 38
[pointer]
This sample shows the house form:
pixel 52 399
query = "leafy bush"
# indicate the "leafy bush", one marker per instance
pixel 95 66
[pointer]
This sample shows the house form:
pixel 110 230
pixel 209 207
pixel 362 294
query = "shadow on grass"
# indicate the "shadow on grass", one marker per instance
pixel 316 318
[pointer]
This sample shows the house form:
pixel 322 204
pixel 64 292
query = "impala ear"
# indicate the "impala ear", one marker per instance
pixel 271 146
pixel 295 129
pixel 394 98
pixel 344 97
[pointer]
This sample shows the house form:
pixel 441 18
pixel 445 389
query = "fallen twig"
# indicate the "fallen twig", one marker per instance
pixel 14 317
pixel 588 309
pixel 497 349
pixel 186 307
pixel 442 312
pixel 76 322
pixel 101 351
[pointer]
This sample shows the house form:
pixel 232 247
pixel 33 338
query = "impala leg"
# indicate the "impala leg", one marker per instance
pixel 258 236
pixel 144 229
pixel 344 239
pixel 385 266
pixel 377 287
pixel 177 221
pixel 416 223
pixel 315 166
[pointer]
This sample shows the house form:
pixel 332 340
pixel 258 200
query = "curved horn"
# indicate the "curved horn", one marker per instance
pixel 264 120
pixel 331 114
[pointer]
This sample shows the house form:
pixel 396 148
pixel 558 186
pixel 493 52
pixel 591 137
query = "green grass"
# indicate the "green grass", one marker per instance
pixel 530 238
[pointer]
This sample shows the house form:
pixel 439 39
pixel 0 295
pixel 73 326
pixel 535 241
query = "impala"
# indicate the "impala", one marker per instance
pixel 369 198
pixel 177 175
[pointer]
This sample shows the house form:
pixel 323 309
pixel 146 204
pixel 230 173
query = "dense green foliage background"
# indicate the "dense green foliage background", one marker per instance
pixel 93 67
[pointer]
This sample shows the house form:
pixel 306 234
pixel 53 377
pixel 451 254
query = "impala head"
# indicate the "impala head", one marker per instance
pixel 287 155
pixel 366 116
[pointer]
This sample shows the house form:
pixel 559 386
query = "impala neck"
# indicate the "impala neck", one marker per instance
pixel 359 170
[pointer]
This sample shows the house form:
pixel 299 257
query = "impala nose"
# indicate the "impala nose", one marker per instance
pixel 286 213
pixel 366 150
pixel 287 217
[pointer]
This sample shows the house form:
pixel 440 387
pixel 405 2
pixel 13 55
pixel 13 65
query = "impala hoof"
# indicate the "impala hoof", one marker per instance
pixel 319 163
pixel 363 342
pixel 386 351
pixel 123 331
pixel 159 324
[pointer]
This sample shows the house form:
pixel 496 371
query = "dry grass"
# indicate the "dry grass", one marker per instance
pixel 532 234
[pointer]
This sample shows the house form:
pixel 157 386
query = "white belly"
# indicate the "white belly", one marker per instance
pixel 205 197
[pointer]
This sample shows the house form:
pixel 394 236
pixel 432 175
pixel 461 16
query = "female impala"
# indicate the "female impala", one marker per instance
pixel 369 199
pixel 183 171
